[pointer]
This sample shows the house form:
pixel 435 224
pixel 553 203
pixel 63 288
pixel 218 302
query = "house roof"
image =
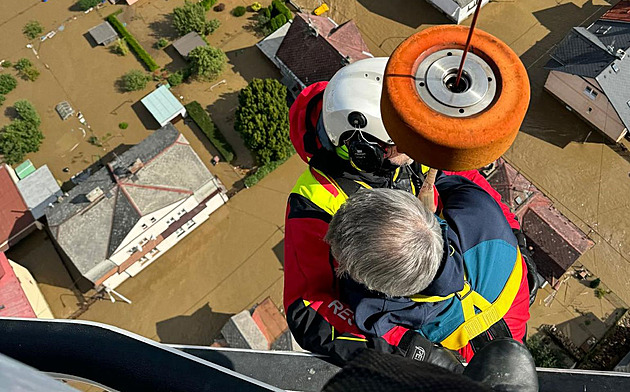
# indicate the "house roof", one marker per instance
pixel 168 170
pixel 38 187
pixel 315 47
pixel 103 32
pixel 620 12
pixel 24 169
pixel 162 104
pixel 13 301
pixel 271 43
pixel 14 214
pixel 598 53
pixel 580 53
pixel 187 43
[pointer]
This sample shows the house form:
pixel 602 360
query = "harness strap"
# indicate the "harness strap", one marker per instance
pixel 478 323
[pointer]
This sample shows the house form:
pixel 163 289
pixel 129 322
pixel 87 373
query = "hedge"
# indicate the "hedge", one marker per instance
pixel 133 43
pixel 262 172
pixel 204 122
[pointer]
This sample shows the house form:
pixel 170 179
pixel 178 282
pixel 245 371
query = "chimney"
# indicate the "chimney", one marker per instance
pixel 94 194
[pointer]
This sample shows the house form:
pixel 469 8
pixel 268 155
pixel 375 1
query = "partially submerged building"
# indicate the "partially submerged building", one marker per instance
pixel 39 189
pixel 457 10
pixel 188 43
pixel 16 220
pixel 590 72
pixel 127 214
pixel 19 294
pixel 557 243
pixel 164 106
pixel 312 49
pixel 103 34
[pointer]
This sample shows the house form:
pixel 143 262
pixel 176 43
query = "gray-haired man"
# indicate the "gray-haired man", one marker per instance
pixel 459 281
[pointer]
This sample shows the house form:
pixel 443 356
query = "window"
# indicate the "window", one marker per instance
pixel 182 212
pixel 180 232
pixel 590 110
pixel 614 67
pixel 144 226
pixel 590 92
pixel 143 259
pixel 190 224
pixel 144 241
pixel 170 221
pixel 154 251
pixel 628 103
pixel 153 220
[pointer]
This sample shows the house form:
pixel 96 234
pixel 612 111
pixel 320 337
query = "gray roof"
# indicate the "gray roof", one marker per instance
pixel 90 232
pixel 580 53
pixel 463 3
pixel 39 189
pixel 593 53
pixel 187 43
pixel 103 33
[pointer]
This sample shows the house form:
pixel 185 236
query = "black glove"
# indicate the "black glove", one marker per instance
pixel 532 273
pixel 417 347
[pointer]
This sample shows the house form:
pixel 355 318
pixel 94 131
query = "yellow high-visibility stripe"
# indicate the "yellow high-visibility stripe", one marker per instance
pixel 396 173
pixel 353 339
pixel 363 184
pixel 308 186
pixel 475 325
pixel 306 303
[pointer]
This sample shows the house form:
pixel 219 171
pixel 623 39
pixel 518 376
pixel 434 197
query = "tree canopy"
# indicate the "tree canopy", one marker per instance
pixel 134 80
pixel 262 119
pixel 32 29
pixel 207 62
pixel 22 135
pixel 192 17
pixel 7 83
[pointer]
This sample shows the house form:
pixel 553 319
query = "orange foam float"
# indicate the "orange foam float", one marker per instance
pixel 451 127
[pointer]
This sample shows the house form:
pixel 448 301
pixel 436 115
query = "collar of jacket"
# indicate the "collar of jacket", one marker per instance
pixel 450 276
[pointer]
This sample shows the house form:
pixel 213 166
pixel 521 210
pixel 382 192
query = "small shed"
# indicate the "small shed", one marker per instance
pixel 103 34
pixel 38 190
pixel 187 43
pixel 24 169
pixel 64 110
pixel 163 105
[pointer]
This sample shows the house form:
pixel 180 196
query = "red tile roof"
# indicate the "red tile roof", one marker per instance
pixel 620 12
pixel 315 48
pixel 13 301
pixel 14 214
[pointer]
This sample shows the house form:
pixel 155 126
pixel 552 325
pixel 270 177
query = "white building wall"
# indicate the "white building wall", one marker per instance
pixel 170 241
pixel 453 11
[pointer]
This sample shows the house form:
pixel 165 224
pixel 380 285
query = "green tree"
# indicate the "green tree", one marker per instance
pixel 207 62
pixel 175 78
pixel 22 135
pixel 7 83
pixel 22 64
pixel 262 119
pixel 26 111
pixel 2 99
pixel 30 73
pixel 207 4
pixel 87 4
pixel 134 80
pixel 239 11
pixel 121 48
pixel 32 29
pixel 192 17
pixel 161 43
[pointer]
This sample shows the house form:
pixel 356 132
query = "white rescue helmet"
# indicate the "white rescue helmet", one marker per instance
pixel 352 100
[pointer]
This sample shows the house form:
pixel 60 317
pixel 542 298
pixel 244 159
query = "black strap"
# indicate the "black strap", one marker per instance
pixel 497 330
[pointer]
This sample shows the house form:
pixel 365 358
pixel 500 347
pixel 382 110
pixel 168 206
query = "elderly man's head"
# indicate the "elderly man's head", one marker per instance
pixel 387 240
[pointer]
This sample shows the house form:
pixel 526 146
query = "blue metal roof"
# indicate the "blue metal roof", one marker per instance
pixel 162 104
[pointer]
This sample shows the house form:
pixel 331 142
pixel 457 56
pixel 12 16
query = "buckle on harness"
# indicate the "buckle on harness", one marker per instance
pixel 462 297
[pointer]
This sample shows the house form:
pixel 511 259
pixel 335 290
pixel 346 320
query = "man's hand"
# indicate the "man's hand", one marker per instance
pixel 417 347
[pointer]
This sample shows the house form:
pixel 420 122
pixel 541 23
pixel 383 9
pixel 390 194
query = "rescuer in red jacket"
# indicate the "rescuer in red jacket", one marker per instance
pixel 336 128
